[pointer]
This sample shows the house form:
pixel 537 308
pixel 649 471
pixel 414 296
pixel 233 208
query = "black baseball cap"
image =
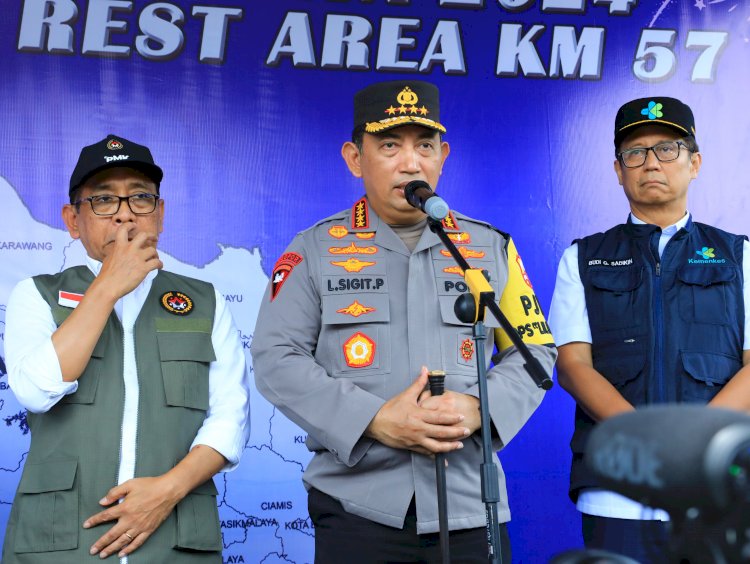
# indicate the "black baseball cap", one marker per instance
pixel 669 112
pixel 111 152
pixel 385 105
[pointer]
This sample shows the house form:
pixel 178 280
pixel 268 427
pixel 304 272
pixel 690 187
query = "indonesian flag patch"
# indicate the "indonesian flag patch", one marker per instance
pixel 69 299
pixel 282 270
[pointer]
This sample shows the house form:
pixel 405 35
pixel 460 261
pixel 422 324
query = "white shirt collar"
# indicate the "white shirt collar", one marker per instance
pixel 670 230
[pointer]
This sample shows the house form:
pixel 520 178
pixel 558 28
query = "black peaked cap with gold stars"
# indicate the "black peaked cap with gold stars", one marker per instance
pixel 385 105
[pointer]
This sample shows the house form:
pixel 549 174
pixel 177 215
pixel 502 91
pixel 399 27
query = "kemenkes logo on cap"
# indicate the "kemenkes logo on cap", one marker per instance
pixel 653 110
pixel 114 145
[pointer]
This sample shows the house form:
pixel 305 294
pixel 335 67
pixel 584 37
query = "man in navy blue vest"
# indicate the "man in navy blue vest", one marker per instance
pixel 652 311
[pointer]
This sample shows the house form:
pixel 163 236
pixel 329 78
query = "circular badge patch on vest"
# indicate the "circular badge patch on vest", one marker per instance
pixel 177 303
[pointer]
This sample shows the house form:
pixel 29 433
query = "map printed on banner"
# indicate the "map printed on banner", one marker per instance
pixel 262 504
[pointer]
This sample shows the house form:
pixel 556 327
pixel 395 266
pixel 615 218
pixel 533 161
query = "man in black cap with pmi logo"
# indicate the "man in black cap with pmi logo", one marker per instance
pixel 134 380
pixel 356 309
pixel 652 311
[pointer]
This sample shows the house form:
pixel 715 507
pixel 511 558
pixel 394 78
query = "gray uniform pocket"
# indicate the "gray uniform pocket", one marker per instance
pixel 356 334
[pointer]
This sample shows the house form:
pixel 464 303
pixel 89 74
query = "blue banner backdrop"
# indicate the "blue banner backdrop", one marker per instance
pixel 245 105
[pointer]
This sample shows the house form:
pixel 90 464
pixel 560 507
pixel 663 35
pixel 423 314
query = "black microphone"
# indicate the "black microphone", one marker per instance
pixel 419 195
pixel 675 457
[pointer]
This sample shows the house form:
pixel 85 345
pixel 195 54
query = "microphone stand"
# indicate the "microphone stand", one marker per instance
pixel 470 308
pixel 437 386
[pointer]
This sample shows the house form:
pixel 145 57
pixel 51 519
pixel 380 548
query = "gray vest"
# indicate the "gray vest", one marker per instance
pixel 75 446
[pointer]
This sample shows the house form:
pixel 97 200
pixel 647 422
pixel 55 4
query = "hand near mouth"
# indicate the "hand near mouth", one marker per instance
pixel 133 255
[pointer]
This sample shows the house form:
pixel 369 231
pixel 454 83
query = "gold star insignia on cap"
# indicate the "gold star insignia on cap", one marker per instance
pixel 386 105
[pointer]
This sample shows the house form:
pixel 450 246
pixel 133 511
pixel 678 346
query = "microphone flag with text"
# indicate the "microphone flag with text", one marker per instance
pixel 677 458
pixel 420 195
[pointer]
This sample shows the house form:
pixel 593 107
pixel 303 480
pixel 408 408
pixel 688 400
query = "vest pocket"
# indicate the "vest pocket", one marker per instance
pixel 613 297
pixel 624 372
pixel 47 503
pixel 198 520
pixel 706 374
pixel 185 359
pixel 703 296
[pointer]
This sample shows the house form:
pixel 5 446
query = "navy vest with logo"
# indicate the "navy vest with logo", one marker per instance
pixel 664 330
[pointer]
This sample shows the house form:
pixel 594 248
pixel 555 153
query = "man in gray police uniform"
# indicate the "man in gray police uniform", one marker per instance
pixel 357 307
pixel 134 380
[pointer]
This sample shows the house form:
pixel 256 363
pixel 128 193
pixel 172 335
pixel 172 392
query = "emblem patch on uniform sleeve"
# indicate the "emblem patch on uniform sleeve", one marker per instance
pixel 521 306
pixel 359 351
pixel 282 270
pixel 177 302
pixel 523 272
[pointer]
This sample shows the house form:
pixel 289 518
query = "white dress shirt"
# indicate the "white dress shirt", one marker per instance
pixel 568 319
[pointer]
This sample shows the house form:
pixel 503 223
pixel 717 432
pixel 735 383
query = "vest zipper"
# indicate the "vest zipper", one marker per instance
pixel 658 371
pixel 122 419
pixel 659 336
pixel 128 350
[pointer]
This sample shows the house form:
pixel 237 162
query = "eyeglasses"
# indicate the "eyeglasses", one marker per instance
pixel 665 152
pixel 108 204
